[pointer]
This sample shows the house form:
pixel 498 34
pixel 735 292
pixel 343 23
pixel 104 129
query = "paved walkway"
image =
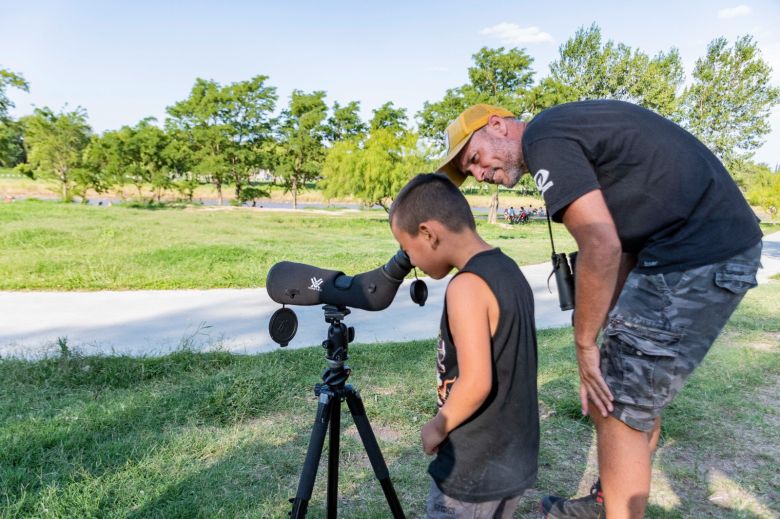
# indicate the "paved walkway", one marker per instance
pixel 159 321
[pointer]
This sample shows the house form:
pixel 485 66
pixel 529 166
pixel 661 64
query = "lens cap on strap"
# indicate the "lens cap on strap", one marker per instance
pixel 283 326
pixel 418 291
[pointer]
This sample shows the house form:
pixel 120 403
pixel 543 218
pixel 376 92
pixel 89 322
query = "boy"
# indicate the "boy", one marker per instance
pixel 486 432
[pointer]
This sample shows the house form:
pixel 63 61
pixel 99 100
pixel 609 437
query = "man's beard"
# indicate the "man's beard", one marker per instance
pixel 511 157
pixel 513 175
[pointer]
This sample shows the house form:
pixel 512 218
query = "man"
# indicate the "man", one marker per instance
pixel 661 265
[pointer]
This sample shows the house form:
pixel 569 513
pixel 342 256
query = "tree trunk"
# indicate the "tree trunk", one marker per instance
pixel 64 180
pixel 237 179
pixel 219 191
pixel 493 207
pixel 294 192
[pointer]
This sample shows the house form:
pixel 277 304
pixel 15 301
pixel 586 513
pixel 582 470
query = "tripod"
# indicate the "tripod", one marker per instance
pixel 331 392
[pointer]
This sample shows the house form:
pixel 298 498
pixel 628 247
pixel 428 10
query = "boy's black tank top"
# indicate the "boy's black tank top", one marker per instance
pixel 494 454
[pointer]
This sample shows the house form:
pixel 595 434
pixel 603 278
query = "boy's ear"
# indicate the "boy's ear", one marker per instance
pixel 429 233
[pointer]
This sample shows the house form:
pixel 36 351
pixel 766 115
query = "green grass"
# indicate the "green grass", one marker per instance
pixel 223 435
pixel 53 246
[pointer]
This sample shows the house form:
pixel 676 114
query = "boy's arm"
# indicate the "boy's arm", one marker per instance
pixel 472 311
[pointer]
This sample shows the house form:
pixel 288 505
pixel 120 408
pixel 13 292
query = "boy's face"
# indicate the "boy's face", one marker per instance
pixel 422 250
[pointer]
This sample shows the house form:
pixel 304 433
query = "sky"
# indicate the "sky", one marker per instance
pixel 124 61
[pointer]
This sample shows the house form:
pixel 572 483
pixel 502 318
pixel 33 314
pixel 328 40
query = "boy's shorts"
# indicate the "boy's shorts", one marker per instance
pixel 440 506
pixel 662 326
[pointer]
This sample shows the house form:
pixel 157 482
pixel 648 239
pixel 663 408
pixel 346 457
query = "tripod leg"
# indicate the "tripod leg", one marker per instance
pixel 333 457
pixel 313 454
pixel 358 411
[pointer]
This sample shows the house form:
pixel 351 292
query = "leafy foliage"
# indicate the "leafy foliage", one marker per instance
pixel 11 147
pixel 344 123
pixel 729 102
pixel 54 143
pixel 226 128
pixel 374 169
pixel 588 69
pixel 498 77
pixel 300 149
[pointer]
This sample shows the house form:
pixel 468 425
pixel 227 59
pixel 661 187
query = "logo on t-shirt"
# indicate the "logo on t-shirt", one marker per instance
pixel 541 180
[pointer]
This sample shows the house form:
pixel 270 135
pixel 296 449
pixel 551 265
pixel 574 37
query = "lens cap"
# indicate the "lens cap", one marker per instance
pixel 283 326
pixel 418 291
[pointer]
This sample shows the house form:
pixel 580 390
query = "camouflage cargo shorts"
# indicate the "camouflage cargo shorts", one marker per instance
pixel 661 328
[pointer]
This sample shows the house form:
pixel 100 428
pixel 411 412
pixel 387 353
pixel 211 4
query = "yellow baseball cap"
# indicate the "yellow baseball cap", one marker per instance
pixel 460 131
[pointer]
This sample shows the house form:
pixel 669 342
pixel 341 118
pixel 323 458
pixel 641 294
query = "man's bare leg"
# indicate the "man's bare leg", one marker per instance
pixel 624 466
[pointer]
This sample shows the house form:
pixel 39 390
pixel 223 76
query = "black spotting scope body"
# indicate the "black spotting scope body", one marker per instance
pixel 292 283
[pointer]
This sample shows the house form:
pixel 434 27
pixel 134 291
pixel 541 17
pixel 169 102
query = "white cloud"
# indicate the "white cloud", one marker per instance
pixel 513 34
pixel 733 12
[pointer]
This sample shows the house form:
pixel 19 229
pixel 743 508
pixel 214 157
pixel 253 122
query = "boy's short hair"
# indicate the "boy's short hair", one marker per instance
pixel 431 196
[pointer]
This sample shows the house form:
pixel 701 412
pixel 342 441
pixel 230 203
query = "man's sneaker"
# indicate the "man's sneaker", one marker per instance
pixel 588 507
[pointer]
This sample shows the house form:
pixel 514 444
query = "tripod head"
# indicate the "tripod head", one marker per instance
pixel 336 346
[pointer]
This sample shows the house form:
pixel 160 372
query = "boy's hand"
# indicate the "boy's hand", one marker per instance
pixel 432 434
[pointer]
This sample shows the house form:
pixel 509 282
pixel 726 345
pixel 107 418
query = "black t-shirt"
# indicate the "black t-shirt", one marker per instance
pixel 673 202
pixel 494 453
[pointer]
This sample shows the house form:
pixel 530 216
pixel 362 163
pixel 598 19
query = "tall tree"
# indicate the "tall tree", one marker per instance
pixel 300 149
pixel 246 109
pixel 132 154
pixel 54 143
pixel 149 143
pixel 105 156
pixel 499 77
pixel 590 69
pixel 728 104
pixel 389 117
pixel 11 143
pixel 9 78
pixel 228 128
pixel 344 122
pixel 11 146
pixel 179 161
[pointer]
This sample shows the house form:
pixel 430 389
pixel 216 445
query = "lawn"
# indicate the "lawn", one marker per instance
pixel 223 435
pixel 54 246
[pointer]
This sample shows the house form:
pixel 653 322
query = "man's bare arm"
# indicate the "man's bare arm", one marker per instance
pixel 598 262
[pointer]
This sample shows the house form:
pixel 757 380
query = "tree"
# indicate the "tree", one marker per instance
pixel 549 92
pixel 11 146
pixel 761 186
pixel 54 144
pixel 11 143
pixel 588 69
pixel 344 123
pixel 104 156
pixel 132 154
pixel 228 128
pixel 388 117
pixel 300 149
pixel 728 104
pixel 179 160
pixel 149 143
pixel 499 77
pixel 375 168
pixel 246 109
pixel 9 78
